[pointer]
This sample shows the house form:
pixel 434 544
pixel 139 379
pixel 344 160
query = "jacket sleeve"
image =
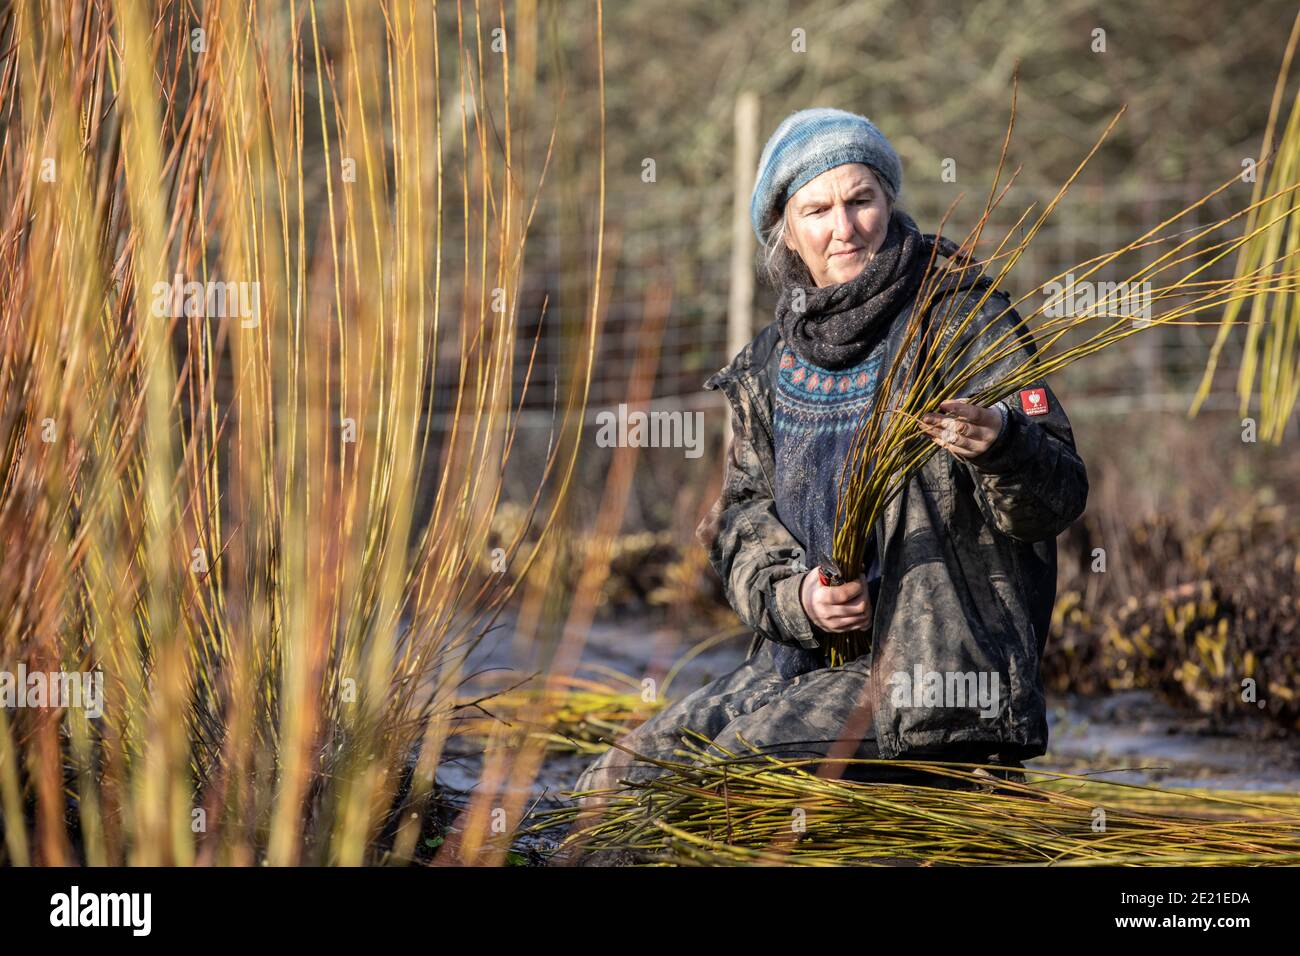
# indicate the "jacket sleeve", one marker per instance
pixel 1031 483
pixel 759 560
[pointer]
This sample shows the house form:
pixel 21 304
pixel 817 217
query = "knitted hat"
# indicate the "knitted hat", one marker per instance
pixel 808 143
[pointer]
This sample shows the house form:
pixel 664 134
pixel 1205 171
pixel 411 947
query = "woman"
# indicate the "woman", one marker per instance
pixel 952 614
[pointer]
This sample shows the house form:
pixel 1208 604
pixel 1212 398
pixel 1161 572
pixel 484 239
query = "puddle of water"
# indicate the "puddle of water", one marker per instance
pixel 1136 728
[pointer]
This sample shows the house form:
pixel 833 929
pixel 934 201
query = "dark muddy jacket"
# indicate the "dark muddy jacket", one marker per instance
pixel 967 554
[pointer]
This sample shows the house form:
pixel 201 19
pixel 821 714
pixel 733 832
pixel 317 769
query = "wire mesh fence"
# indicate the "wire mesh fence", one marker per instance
pixel 676 244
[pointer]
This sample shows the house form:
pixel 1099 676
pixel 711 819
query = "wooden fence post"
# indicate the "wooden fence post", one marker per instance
pixel 740 304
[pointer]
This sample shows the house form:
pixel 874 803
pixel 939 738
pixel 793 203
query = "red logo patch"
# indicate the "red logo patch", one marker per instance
pixel 1034 401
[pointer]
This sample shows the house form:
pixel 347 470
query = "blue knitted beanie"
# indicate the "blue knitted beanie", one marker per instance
pixel 808 143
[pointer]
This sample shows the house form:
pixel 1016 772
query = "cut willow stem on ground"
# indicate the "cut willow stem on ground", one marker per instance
pixel 579 714
pixel 721 808
pixel 1271 351
pixel 932 366
pixel 574 714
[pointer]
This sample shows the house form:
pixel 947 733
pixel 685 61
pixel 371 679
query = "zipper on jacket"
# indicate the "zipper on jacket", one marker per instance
pixel 771 439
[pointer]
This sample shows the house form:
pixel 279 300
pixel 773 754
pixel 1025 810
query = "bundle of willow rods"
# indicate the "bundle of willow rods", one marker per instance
pixel 723 810
pixel 891 443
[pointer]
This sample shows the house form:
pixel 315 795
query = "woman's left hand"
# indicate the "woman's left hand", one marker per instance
pixel 964 429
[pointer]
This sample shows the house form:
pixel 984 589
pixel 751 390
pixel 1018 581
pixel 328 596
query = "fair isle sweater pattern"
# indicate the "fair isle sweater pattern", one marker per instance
pixel 819 400
pixel 816 413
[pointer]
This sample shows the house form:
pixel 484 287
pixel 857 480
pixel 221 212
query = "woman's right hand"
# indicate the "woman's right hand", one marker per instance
pixel 836 608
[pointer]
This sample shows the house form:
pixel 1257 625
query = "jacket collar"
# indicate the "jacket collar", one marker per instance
pixel 757 353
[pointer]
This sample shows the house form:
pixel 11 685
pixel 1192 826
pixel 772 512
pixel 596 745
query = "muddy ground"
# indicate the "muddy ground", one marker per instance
pixel 1133 735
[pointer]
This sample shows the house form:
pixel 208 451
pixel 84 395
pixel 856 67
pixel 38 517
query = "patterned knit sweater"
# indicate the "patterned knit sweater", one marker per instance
pixel 816 413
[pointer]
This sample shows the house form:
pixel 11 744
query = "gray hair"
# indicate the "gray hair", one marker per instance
pixel 780 264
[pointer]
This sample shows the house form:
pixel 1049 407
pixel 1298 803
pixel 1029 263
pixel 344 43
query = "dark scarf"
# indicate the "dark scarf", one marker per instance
pixel 840 323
